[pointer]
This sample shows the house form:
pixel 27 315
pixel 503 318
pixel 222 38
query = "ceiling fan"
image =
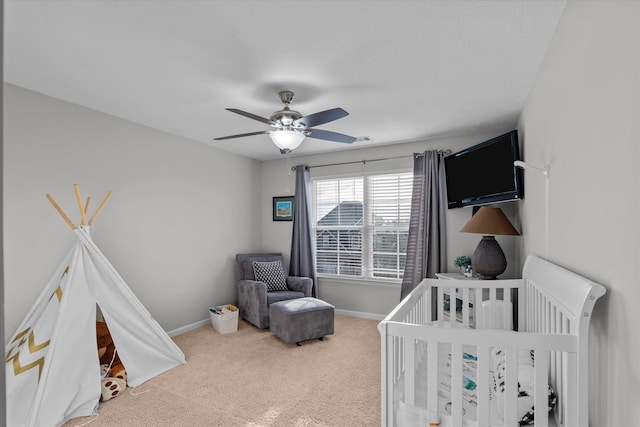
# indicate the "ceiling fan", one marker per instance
pixel 290 127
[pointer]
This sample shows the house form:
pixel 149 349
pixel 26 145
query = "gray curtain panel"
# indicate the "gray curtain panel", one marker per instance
pixel 426 247
pixel 303 262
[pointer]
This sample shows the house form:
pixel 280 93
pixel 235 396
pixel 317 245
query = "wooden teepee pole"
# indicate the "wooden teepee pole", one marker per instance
pixel 104 202
pixel 80 206
pixel 61 212
pixel 86 206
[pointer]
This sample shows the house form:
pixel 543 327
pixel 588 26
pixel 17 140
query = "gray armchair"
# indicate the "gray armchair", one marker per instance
pixel 253 297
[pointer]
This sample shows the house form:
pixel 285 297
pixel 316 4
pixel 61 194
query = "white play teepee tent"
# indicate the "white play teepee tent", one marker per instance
pixel 52 370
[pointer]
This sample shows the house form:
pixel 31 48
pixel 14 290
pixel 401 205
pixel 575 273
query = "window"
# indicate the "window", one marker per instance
pixel 361 225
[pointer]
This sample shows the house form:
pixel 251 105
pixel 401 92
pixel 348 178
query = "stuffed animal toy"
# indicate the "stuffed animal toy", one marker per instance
pixel 112 371
pixel 111 387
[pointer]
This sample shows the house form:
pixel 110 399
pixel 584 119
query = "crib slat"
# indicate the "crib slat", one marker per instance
pixel 483 385
pixel 507 311
pixel 560 389
pixel 452 306
pixel 399 356
pixel 440 303
pixel 556 373
pixel 541 397
pixel 432 372
pixel 477 308
pixel 547 316
pixel 456 383
pixel 511 386
pixel 466 321
pixel 570 391
pixel 567 417
pixel 409 372
pixel 529 309
pixel 539 312
pixel 553 369
pixel 387 384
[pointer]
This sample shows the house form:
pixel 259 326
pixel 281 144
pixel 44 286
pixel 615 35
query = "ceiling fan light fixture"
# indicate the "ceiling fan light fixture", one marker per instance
pixel 286 139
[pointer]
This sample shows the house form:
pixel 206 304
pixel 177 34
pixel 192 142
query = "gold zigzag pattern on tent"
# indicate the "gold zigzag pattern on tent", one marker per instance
pixel 58 291
pixel 33 348
pixel 20 335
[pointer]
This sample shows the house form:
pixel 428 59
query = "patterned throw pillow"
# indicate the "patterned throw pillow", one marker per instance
pixel 271 273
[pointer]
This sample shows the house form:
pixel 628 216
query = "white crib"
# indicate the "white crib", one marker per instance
pixel 553 313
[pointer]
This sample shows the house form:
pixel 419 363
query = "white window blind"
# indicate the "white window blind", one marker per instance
pixel 389 206
pixel 361 225
pixel 339 225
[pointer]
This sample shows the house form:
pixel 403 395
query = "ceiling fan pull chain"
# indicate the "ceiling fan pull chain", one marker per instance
pixel 289 171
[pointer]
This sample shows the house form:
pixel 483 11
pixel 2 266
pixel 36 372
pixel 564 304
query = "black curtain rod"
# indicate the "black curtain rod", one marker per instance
pixel 364 162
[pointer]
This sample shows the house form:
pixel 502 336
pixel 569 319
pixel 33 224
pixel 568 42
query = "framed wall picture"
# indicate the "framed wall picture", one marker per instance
pixel 283 208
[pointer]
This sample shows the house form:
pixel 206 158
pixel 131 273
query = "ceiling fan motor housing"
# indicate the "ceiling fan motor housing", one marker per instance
pixel 285 117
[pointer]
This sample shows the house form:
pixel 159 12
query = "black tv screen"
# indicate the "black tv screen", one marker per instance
pixel 484 173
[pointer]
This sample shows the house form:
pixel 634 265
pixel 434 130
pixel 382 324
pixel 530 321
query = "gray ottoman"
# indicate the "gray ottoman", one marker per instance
pixel 301 319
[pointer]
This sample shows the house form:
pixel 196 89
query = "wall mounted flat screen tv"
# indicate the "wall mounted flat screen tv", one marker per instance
pixel 484 173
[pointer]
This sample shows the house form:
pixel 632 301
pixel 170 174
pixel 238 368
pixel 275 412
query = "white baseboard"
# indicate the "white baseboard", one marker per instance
pixel 204 322
pixel 190 327
pixel 361 314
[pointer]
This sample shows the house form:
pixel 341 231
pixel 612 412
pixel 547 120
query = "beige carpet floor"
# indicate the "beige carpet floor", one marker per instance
pixel 251 378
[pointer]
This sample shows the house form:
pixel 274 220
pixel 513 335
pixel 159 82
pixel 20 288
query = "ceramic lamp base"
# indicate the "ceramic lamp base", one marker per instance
pixel 488 260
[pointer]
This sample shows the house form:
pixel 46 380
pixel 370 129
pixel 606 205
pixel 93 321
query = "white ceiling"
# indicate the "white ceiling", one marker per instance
pixel 404 70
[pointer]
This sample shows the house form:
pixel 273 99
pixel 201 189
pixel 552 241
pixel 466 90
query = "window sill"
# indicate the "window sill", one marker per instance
pixel 361 281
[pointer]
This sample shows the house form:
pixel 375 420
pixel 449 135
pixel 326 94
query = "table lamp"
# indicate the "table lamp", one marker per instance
pixel 488 260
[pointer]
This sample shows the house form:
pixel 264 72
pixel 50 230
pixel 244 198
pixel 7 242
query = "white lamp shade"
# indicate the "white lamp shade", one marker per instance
pixel 286 139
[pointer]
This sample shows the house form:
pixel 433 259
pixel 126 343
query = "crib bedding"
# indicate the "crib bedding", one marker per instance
pixel 410 415
pixel 469 381
pixel 525 384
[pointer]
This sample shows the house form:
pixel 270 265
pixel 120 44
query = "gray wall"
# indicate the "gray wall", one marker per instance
pixel 582 118
pixel 180 210
pixel 371 298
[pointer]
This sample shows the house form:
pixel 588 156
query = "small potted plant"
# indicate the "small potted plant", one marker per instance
pixel 463 262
